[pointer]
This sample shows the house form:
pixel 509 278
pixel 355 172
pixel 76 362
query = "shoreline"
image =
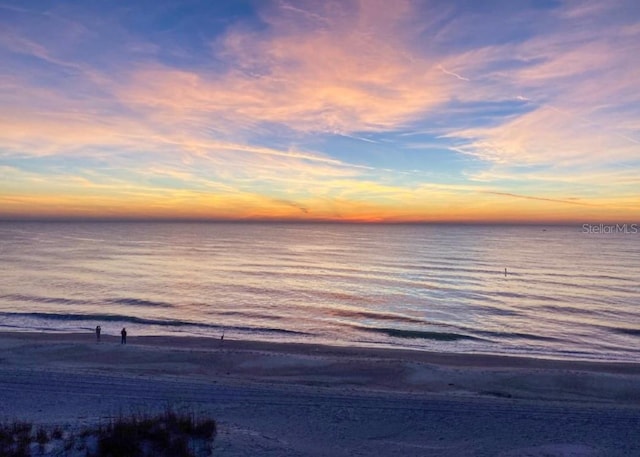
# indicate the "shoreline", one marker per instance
pixel 411 355
pixel 285 399
pixel 330 367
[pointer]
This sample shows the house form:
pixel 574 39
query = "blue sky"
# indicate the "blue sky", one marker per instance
pixel 344 110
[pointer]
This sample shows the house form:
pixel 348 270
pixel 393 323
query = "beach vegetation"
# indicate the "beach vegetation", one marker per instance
pixel 42 438
pixel 56 433
pixel 15 439
pixel 168 434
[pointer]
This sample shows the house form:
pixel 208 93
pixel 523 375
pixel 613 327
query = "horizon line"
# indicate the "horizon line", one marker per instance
pixel 308 221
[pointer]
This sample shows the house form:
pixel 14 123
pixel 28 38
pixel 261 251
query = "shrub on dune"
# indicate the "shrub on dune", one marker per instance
pixel 169 434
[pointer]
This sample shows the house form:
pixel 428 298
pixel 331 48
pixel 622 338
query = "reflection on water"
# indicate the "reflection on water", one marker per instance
pixel 434 287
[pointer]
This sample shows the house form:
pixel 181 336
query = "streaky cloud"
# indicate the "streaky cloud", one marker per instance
pixel 544 199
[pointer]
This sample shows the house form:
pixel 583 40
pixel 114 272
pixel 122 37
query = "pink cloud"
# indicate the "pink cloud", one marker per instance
pixel 333 69
pixel 580 86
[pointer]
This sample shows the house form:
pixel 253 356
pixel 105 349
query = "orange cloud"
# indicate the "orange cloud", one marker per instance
pixel 181 142
pixel 331 69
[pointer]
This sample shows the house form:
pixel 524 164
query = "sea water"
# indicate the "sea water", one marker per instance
pixel 568 292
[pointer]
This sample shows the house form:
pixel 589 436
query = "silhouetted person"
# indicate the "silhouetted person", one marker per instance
pixel 123 333
pixel 505 272
pixel 98 330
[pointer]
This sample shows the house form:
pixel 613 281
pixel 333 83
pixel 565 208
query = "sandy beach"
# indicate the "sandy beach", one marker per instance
pixel 294 399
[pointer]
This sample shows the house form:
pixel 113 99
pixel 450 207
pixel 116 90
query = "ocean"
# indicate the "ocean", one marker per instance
pixel 569 292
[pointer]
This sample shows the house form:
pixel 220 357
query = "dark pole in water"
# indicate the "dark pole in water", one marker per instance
pixel 505 272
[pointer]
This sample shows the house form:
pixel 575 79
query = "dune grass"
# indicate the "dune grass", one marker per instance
pixel 168 434
pixel 15 439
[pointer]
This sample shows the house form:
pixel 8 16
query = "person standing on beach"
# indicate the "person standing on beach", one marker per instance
pixel 98 330
pixel 123 333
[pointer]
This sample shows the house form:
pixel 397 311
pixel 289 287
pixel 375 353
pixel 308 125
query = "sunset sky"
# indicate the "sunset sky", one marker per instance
pixel 321 110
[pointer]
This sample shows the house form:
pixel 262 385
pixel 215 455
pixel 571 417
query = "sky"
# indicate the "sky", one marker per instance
pixel 363 111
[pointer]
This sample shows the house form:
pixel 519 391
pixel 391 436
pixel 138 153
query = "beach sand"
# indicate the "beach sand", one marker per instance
pixel 293 399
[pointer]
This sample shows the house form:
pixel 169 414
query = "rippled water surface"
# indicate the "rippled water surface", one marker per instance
pixel 566 294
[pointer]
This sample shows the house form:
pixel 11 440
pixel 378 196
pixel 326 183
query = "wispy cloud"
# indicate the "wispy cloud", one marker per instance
pixel 574 201
pixel 349 71
pixel 577 83
pixel 456 75
pixel 517 109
